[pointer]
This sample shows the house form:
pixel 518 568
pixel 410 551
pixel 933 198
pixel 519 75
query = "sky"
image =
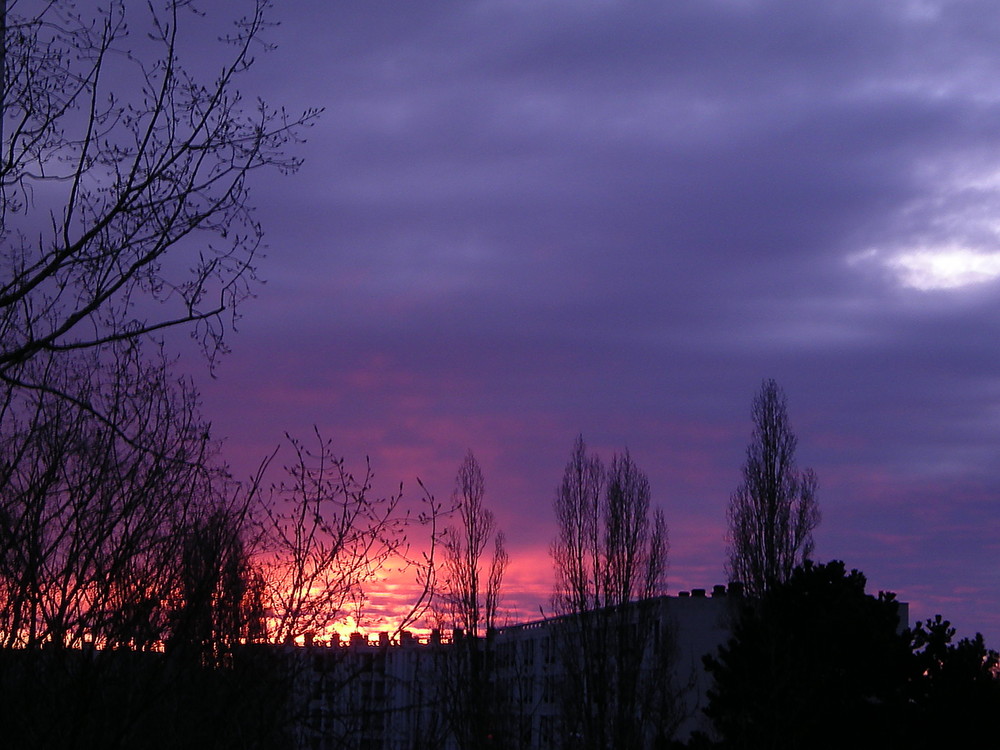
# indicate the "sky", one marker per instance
pixel 522 221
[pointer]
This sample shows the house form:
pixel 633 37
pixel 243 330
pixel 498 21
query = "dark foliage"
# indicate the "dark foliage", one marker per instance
pixel 818 663
pixel 953 690
pixel 815 663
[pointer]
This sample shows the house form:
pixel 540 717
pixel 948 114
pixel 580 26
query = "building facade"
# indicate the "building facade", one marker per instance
pixel 634 671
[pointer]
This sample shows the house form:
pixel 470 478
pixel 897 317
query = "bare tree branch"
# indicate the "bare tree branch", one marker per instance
pixel 129 183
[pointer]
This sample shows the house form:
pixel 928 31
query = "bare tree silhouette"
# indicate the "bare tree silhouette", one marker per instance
pixel 325 536
pixel 609 555
pixel 472 598
pixel 773 513
pixel 123 215
pixel 123 575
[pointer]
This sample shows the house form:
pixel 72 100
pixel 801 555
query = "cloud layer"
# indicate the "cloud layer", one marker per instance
pixel 519 221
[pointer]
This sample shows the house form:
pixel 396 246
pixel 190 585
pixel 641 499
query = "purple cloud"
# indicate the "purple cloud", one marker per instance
pixel 521 221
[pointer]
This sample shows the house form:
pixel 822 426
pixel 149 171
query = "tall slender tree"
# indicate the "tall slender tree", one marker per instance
pixel 473 596
pixel 576 550
pixel 609 549
pixel 773 513
pixel 610 555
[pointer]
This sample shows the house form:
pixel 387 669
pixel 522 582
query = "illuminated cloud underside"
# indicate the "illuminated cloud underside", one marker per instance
pixel 930 269
pixel 946 268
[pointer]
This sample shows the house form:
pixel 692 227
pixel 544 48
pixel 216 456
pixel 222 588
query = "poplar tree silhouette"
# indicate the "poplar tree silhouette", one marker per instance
pixel 610 555
pixel 773 513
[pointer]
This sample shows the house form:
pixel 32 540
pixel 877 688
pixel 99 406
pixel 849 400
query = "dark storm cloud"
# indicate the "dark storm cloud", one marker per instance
pixel 520 220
